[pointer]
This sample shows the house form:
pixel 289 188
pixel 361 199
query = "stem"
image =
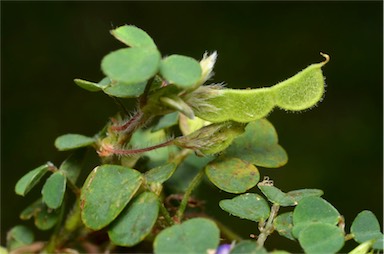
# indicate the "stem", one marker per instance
pixel 108 150
pixel 131 124
pixel 193 184
pixel 166 215
pixel 55 239
pixel 266 230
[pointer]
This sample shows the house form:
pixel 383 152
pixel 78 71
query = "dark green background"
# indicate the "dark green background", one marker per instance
pixel 337 146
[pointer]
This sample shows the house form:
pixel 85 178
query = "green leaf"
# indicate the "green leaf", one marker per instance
pixel 167 121
pixel 122 90
pixel 275 195
pixel 71 167
pixel 313 209
pixel 131 65
pixel 366 227
pixel 298 195
pixel 176 103
pixel 31 210
pixel 299 92
pixel 248 247
pixel 283 224
pixel 180 70
pixel 248 206
pixel 258 145
pixel 197 235
pixel 106 192
pixel 19 236
pixel 72 141
pixel 54 189
pixel 232 175
pixel 136 221
pixel 211 139
pixel 161 173
pixel 133 36
pixel 45 217
pixel 88 85
pixel 321 238
pixel 28 181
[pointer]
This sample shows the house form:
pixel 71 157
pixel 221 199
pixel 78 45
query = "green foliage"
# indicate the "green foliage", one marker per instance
pixel 143 189
pixel 196 235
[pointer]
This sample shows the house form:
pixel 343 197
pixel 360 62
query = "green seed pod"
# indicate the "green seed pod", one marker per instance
pixel 303 90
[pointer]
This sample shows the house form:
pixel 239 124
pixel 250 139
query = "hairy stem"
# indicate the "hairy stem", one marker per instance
pixel 166 215
pixel 266 230
pixel 193 184
pixel 109 150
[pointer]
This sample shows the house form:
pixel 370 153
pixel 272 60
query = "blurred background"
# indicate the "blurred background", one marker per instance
pixel 336 147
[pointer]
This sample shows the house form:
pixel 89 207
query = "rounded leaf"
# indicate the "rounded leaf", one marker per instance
pixel 232 174
pixel 283 224
pixel 366 227
pixel 71 167
pixel 133 36
pixel 122 90
pixel 19 236
pixel 131 65
pixel 180 70
pixel 196 235
pixel 313 209
pixel 31 210
pixel 275 195
pixel 45 217
pixel 258 145
pixel 321 238
pixel 54 189
pixel 106 192
pixel 161 173
pixel 248 206
pixel 166 121
pixel 249 247
pixel 136 221
pixel 298 195
pixel 28 181
pixel 72 141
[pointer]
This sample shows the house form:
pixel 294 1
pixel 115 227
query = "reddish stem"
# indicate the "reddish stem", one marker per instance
pixel 109 150
pixel 131 124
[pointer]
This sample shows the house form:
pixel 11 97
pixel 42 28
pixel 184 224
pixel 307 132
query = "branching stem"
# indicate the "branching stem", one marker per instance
pixel 266 230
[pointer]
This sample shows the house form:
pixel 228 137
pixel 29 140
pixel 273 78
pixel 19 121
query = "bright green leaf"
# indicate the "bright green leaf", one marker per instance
pixel 180 70
pixel 161 173
pixel 133 36
pixel 283 224
pixel 28 181
pixel 321 238
pixel 106 192
pixel 196 235
pixel 313 209
pixel 136 221
pixel 131 65
pixel 122 90
pixel 258 145
pixel 187 125
pixel 19 236
pixel 248 247
pixel 72 141
pixel 232 175
pixel 53 190
pixel 176 103
pixel 88 85
pixel 248 206
pixel 366 227
pixel 71 167
pixel 363 248
pixel 166 121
